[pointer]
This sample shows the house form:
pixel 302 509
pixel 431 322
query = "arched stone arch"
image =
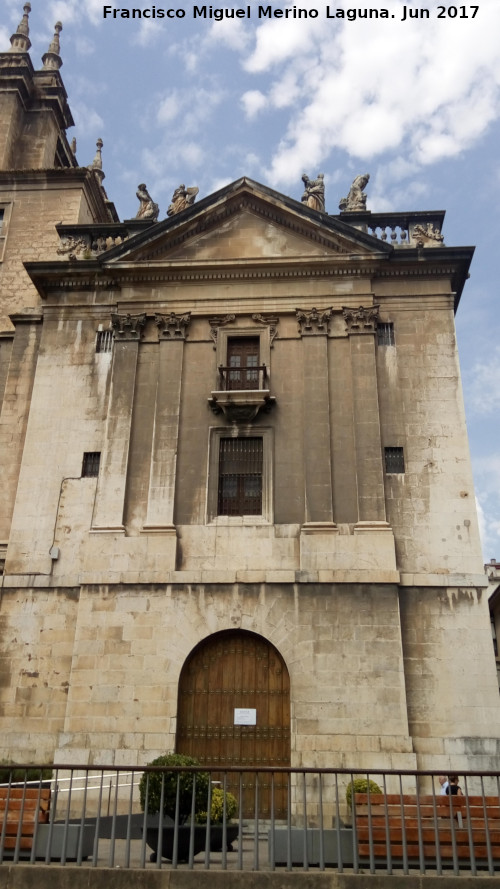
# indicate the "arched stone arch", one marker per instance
pixel 229 671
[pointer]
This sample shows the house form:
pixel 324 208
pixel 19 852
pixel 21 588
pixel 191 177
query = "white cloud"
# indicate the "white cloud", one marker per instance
pixel 482 385
pixel 253 101
pixel 487 479
pixel 234 33
pixel 189 107
pixel 375 85
pixel 147 32
pixel 74 10
pixel 5 36
pixel 87 120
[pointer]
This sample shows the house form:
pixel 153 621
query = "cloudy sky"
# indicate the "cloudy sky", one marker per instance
pixel 414 102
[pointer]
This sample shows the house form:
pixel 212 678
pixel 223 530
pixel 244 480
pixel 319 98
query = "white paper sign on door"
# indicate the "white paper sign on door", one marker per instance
pixel 245 716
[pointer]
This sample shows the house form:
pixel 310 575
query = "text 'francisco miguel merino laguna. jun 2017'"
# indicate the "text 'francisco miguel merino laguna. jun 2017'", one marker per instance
pixel 216 13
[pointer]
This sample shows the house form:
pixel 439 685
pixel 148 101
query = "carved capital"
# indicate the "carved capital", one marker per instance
pixel 173 326
pixel 364 319
pixel 219 321
pixel 272 322
pixel 128 327
pixel 314 321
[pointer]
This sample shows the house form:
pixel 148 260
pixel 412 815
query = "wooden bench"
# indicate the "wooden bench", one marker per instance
pixel 428 829
pixel 21 808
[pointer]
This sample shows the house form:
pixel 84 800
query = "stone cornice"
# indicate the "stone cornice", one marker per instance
pixel 82 275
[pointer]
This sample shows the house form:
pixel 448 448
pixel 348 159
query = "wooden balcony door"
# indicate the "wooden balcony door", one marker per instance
pixel 238 670
pixel 243 361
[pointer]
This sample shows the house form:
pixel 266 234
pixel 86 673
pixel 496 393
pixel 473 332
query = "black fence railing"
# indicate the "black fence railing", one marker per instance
pixel 151 817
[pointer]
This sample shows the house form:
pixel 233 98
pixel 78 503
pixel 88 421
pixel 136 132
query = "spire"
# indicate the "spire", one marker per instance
pixel 97 162
pixel 96 165
pixel 52 59
pixel 20 41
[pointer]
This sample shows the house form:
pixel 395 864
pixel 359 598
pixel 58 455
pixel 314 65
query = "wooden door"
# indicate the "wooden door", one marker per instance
pixel 238 670
pixel 243 361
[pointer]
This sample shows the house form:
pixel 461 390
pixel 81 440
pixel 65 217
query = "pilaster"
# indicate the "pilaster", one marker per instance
pixel 161 494
pixel 361 328
pixel 111 488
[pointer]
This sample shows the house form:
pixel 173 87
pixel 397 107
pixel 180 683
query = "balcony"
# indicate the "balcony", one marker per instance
pixel 242 392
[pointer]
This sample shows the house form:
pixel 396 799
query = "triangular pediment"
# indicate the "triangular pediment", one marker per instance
pixel 245 222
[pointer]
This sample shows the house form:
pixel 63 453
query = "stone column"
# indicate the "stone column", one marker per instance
pixel 111 487
pixel 14 411
pixel 319 525
pixel 361 328
pixel 160 514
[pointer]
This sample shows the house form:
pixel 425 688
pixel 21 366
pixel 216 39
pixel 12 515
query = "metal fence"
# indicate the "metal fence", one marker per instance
pixel 350 821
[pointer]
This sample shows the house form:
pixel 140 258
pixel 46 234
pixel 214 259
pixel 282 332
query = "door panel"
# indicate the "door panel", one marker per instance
pixel 237 669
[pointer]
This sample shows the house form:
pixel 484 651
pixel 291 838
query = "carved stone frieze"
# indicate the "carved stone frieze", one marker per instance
pixel 173 326
pixel 313 321
pixel 364 319
pixel 219 321
pixel 423 234
pixel 272 322
pixel 128 327
pixel 73 247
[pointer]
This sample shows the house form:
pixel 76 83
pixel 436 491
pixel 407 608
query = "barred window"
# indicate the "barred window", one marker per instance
pixel 104 341
pixel 90 464
pixel 394 460
pixel 385 334
pixel 240 476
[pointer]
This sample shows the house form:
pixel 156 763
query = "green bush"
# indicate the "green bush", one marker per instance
pixel 19 775
pixel 360 785
pixel 153 787
pixel 217 807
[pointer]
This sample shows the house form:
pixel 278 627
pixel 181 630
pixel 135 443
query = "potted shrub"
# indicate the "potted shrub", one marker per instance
pixel 360 785
pixel 182 792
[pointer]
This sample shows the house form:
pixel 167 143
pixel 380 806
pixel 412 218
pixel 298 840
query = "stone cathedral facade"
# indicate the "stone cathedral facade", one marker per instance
pixel 234 473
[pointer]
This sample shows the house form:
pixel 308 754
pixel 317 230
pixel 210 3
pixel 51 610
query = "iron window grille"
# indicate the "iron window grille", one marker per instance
pixel 90 464
pixel 394 460
pixel 104 341
pixel 240 476
pixel 385 334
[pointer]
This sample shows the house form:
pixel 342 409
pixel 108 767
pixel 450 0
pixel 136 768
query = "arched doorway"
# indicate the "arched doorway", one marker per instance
pixel 224 679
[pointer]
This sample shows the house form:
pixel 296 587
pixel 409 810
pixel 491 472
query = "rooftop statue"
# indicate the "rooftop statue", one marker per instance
pixel 356 199
pixel 182 197
pixel 147 209
pixel 314 194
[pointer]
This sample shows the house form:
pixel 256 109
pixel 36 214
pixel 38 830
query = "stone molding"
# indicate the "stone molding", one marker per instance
pixel 272 322
pixel 219 321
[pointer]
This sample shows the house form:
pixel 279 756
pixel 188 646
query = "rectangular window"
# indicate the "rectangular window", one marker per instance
pixel 242 362
pixel 394 460
pixel 104 341
pixel 90 464
pixel 240 476
pixel 385 334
